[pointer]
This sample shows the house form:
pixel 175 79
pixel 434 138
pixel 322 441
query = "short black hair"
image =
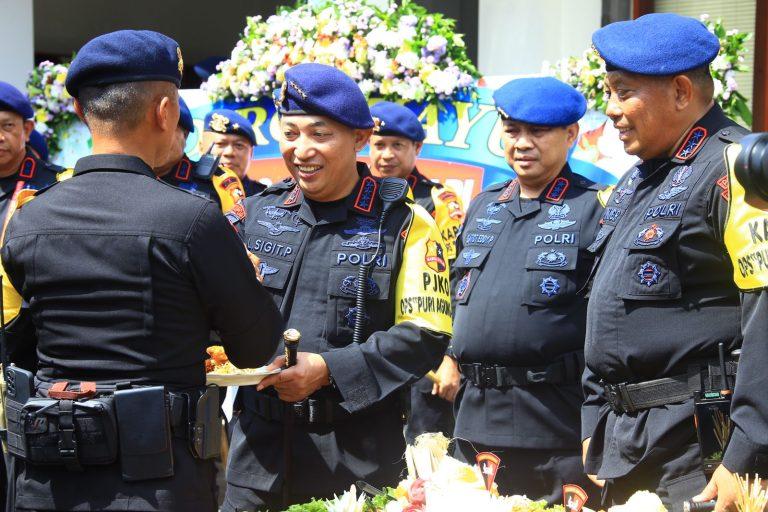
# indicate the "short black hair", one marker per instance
pixel 702 80
pixel 121 106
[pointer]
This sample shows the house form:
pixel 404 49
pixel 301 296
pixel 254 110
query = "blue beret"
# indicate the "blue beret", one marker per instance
pixel 656 44
pixel 544 101
pixel 12 99
pixel 126 56
pixel 38 143
pixel 317 89
pixel 185 116
pixel 397 120
pixel 222 120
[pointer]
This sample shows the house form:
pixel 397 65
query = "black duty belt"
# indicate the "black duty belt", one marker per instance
pixel 631 397
pixel 181 406
pixel 567 370
pixel 309 411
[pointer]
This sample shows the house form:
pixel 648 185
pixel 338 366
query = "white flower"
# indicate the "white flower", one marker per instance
pixel 367 86
pixel 347 502
pixel 436 43
pixel 730 81
pixel 443 82
pixel 720 63
pixel 307 23
pixel 732 32
pixel 704 18
pixel 409 20
pixel 718 89
pixel 409 60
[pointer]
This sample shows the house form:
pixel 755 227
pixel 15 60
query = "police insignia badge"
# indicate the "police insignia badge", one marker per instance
pixel 468 255
pixel 549 286
pixel 650 236
pixel 219 123
pixel 277 228
pixel 349 286
pixel 494 208
pixel 181 60
pixel 621 193
pixel 676 186
pixel 463 285
pixel 434 257
pixel 489 465
pixel 692 144
pixel 274 213
pixel 574 498
pixel 266 270
pixel 649 274
pixel 362 242
pixel 365 226
pixel 378 124
pixel 484 224
pixel 557 218
pixel 552 259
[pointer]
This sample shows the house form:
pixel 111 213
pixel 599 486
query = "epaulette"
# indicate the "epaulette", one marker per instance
pixel 497 186
pixel 205 168
pixel 731 134
pixel 582 182
pixel 280 186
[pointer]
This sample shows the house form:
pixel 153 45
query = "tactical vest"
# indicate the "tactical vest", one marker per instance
pixel 746 232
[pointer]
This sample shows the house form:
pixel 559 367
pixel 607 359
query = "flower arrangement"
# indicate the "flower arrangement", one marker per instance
pixel 53 106
pixel 401 52
pixel 586 73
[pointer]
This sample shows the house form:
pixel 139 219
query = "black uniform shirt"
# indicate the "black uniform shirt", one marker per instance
pixel 519 267
pixel 662 295
pixel 126 276
pixel 252 187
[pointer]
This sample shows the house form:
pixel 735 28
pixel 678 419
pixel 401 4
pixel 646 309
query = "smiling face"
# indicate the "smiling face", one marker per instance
pixel 393 156
pixel 642 109
pixel 14 133
pixel 537 153
pixel 321 155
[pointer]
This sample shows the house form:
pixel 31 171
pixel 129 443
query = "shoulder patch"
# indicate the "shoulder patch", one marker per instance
pixel 508 192
pixel 293 197
pixel 723 184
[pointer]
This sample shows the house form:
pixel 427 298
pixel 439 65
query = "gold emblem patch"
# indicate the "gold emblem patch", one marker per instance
pixel 181 61
pixel 378 124
pixel 219 123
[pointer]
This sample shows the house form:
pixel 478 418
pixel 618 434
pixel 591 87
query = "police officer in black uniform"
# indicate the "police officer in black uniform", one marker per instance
pixel 124 277
pixel 662 297
pixel 205 178
pixel 21 167
pixel 395 144
pixel 519 319
pixel 357 350
pixel 230 136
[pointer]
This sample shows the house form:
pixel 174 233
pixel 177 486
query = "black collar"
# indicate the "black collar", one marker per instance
pixel 361 201
pixel 118 163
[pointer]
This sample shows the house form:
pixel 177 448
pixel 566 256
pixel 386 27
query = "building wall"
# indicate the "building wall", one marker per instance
pixel 17 51
pixel 516 36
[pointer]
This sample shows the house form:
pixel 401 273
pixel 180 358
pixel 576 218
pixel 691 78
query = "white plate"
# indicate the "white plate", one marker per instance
pixel 238 379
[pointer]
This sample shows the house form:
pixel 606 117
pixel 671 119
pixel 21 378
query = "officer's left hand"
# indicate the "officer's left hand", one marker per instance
pixel 723 485
pixel 298 382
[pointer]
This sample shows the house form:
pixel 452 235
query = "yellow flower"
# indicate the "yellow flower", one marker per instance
pixel 41 115
pixel 61 77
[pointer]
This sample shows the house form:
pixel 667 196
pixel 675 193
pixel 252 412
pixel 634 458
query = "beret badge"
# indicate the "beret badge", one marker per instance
pixel 181 60
pixel 378 124
pixel 219 123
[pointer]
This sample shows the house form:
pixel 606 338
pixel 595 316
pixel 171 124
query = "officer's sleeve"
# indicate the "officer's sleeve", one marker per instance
pixel 747 450
pixel 239 308
pixel 20 338
pixel 371 371
pixel 449 214
pixel 594 399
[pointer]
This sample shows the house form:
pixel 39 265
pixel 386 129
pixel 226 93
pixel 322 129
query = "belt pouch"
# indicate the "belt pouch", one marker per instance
pixel 145 433
pixel 19 389
pixel 206 432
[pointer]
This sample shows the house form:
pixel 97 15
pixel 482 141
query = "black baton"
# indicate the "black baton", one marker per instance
pixel 291 339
